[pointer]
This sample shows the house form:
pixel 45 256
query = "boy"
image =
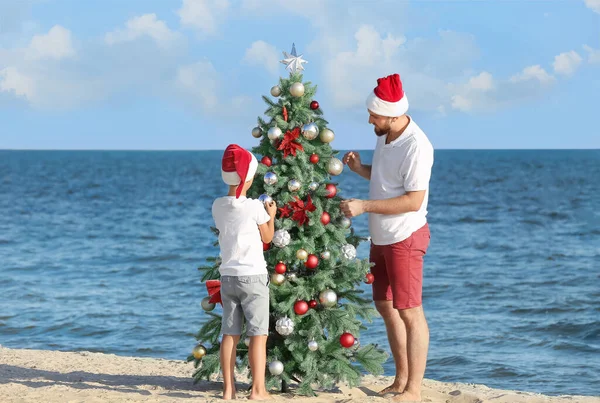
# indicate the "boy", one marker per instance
pixel 243 225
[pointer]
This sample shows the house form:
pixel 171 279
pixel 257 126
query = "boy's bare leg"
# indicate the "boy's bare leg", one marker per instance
pixel 258 363
pixel 228 353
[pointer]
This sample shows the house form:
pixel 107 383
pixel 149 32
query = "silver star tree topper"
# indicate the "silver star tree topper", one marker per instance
pixel 292 61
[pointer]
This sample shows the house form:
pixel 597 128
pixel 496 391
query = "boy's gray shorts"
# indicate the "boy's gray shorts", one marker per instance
pixel 245 296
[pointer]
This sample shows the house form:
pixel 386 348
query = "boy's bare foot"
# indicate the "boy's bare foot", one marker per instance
pixel 396 387
pixel 407 397
pixel 229 394
pixel 260 396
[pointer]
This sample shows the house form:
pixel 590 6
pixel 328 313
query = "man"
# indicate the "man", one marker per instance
pixel 397 207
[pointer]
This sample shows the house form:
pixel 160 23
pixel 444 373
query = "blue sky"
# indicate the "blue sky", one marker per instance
pixel 189 74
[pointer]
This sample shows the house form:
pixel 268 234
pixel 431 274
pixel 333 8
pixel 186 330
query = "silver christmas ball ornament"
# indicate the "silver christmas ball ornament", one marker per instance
pixel 270 178
pixel 265 198
pixel 276 368
pixel 274 133
pixel 335 166
pixel 277 278
pixel 247 341
pixel 206 305
pixel 313 186
pixel 313 345
pixel 310 131
pixel 284 326
pixel 328 298
pixel 297 90
pixel 292 276
pixel 276 90
pixel 294 185
pixel 281 238
pixel 325 255
pixel 348 251
pixel 356 344
pixel 256 132
pixel 326 136
pixel 345 222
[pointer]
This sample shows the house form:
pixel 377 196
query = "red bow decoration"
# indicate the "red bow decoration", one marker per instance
pixel 301 208
pixel 288 145
pixel 214 291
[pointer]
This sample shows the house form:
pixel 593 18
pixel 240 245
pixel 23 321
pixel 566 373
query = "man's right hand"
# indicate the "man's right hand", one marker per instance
pixel 271 208
pixel 352 159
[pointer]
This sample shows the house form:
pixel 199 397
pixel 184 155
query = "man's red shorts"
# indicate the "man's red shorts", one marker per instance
pixel 398 270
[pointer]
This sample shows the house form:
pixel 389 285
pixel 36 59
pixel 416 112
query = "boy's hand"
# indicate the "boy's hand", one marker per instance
pixel 271 208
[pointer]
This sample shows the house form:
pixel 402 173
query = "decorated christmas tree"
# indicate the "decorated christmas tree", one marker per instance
pixel 316 301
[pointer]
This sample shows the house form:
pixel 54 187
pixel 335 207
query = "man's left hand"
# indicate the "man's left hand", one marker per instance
pixel 352 207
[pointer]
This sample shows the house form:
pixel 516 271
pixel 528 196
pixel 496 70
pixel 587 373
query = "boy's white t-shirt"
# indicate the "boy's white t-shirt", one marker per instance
pixel 402 166
pixel 239 237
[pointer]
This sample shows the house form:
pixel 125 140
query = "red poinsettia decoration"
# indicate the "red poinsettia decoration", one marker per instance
pixel 301 208
pixel 289 145
pixel 285 211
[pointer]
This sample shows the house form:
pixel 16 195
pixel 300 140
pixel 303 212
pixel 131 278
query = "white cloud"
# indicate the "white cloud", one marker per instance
pixel 483 82
pixel 593 54
pixel 203 15
pixel 56 44
pixel 461 103
pixel 144 25
pixel 11 80
pixel 566 63
pixel 536 73
pixel 263 54
pixel 199 81
pixel 594 5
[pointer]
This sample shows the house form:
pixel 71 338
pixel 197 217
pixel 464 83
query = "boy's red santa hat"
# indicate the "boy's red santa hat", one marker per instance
pixel 388 98
pixel 238 167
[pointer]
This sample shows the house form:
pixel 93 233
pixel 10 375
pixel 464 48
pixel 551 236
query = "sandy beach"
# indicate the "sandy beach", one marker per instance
pixel 54 376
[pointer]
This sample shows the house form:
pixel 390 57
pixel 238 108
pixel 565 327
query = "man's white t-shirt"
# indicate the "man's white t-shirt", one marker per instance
pixel 239 237
pixel 402 166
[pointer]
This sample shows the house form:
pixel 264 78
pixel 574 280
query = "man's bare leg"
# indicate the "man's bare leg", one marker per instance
pixel 396 333
pixel 228 353
pixel 417 336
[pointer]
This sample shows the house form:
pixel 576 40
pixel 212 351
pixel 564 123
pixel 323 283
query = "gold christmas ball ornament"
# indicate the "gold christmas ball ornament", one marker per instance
pixel 257 132
pixel 276 90
pixel 277 278
pixel 274 133
pixel 328 298
pixel 310 131
pixel 326 136
pixel 301 254
pixel 206 305
pixel 297 90
pixel 199 352
pixel 335 166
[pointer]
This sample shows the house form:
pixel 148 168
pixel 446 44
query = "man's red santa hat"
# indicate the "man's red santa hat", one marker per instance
pixel 238 167
pixel 388 98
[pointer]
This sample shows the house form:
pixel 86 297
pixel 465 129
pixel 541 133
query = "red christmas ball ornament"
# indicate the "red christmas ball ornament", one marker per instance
pixel 314 158
pixel 312 262
pixel 300 307
pixel 312 303
pixel 266 246
pixel 314 105
pixel 266 161
pixel 331 190
pixel 369 278
pixel 347 340
pixel 325 218
pixel 280 268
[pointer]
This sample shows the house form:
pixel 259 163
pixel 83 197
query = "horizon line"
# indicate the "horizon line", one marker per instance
pixel 341 149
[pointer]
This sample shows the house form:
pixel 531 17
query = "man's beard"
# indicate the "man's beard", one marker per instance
pixel 381 132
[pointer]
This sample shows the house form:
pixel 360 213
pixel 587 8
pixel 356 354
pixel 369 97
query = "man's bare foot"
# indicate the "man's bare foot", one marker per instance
pixel 407 397
pixel 396 387
pixel 260 396
pixel 229 394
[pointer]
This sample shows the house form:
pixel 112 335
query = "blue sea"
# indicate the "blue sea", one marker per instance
pixel 99 251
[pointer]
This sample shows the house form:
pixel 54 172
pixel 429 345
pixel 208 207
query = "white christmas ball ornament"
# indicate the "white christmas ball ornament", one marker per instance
pixel 310 131
pixel 326 136
pixel 325 255
pixel 270 178
pixel 276 368
pixel 297 90
pixel 276 90
pixel 256 132
pixel 281 238
pixel 348 251
pixel 335 166
pixel 313 345
pixel 284 326
pixel 274 133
